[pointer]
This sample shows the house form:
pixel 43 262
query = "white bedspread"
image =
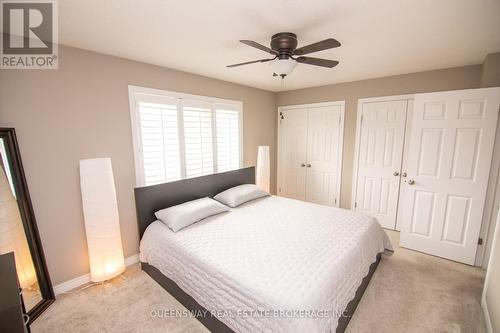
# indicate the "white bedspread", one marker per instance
pixel 267 256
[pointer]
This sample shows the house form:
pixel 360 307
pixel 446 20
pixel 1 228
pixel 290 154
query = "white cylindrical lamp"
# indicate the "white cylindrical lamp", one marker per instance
pixel 102 224
pixel 263 176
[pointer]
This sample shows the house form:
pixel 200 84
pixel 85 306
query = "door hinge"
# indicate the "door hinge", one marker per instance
pixel 361 118
pixel 355 205
pixel 480 241
pixel 335 201
pixel 279 189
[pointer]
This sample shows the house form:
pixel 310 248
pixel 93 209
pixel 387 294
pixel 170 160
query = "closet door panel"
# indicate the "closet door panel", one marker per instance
pixel 323 154
pixel 449 162
pixel 380 158
pixel 293 154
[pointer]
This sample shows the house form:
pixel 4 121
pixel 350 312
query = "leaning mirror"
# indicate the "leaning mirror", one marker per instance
pixel 18 230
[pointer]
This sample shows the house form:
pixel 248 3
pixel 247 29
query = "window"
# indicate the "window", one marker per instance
pixel 198 141
pixel 228 149
pixel 159 143
pixel 181 136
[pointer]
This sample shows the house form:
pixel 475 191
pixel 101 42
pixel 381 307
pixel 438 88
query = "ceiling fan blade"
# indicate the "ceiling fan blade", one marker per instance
pixel 258 46
pixel 326 44
pixel 250 62
pixel 317 62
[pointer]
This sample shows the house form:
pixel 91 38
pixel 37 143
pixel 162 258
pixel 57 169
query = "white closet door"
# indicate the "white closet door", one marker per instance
pixel 293 154
pixel 449 160
pixel 380 157
pixel 324 136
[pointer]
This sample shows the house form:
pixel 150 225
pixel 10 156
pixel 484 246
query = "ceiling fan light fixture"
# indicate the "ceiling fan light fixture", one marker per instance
pixel 283 67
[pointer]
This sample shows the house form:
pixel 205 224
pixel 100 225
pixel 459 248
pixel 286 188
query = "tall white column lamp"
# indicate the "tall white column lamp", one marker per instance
pixel 102 224
pixel 263 176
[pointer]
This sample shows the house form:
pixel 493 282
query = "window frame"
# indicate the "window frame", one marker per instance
pixel 139 94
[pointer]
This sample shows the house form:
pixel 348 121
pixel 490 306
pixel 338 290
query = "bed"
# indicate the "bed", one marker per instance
pixel 270 265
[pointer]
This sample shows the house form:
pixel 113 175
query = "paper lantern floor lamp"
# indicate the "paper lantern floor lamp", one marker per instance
pixel 102 225
pixel 263 175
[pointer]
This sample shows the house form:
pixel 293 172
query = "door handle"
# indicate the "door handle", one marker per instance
pixel 411 182
pixel 302 165
pixel 404 174
pixel 396 173
pixel 308 165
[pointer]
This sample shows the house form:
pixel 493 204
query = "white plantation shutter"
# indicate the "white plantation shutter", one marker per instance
pixel 198 140
pixel 228 138
pixel 160 143
pixel 181 136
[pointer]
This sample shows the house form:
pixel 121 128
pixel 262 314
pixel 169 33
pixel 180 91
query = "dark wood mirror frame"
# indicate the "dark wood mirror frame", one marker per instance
pixel 29 222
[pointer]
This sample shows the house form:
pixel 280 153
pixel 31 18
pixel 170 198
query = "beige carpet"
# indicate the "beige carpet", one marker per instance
pixel 409 292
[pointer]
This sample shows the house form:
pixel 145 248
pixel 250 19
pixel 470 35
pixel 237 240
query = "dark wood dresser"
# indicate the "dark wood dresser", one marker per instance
pixel 11 304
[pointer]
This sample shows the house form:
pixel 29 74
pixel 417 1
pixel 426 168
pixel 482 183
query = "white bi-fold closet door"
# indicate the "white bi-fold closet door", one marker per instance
pixel 423 163
pixel 310 139
pixel 380 158
pixel 449 160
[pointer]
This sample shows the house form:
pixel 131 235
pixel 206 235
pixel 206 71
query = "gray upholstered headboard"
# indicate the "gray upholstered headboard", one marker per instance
pixel 150 199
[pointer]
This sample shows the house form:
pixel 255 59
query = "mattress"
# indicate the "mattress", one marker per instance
pixel 271 265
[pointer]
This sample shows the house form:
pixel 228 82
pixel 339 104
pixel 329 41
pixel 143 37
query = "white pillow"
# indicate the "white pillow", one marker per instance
pixel 238 195
pixel 185 214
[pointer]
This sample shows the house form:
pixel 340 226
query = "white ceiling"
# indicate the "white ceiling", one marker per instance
pixel 379 37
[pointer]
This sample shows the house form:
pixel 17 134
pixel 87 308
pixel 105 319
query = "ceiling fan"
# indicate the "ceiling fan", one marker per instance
pixel 287 55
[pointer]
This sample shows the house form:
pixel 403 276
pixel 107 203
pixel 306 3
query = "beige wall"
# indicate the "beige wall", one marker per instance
pixel 438 80
pixel 491 293
pixel 82 111
pixel 491 71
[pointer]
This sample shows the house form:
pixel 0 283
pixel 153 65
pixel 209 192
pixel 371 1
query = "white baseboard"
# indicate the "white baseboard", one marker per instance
pixel 71 284
pixel 81 280
pixel 486 313
pixel 133 259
